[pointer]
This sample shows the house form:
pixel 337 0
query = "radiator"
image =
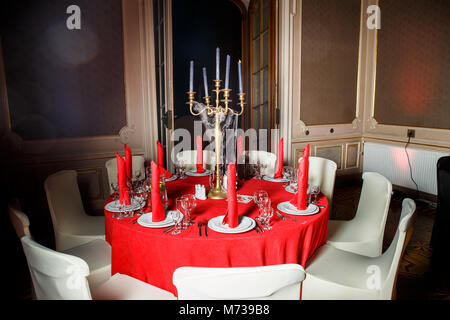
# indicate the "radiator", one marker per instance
pixel 392 162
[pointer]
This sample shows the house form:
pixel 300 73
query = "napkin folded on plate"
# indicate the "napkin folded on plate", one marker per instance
pixel 279 166
pixel 231 218
pixel 129 162
pixel 124 197
pixel 158 213
pixel 300 198
pixel 199 143
pixel 161 161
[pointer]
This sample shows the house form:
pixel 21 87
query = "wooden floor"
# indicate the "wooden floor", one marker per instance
pixel 414 282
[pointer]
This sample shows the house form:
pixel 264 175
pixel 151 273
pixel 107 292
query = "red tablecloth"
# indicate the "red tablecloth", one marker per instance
pixel 152 256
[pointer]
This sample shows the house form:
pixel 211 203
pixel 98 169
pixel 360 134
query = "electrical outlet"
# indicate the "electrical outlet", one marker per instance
pixel 411 133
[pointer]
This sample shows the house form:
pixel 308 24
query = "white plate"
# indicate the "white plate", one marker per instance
pixel 290 190
pixel 244 199
pixel 245 224
pixel 289 208
pixel 193 173
pixel 172 178
pixel 114 206
pixel 275 180
pixel 146 221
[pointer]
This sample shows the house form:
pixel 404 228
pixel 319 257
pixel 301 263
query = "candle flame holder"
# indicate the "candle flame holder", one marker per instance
pixel 217 111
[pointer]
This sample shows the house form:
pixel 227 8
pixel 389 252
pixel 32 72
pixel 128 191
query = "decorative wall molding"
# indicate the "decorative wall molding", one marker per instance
pixel 287 12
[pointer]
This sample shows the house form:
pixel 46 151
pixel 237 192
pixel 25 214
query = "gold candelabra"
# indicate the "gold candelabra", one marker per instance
pixel 216 111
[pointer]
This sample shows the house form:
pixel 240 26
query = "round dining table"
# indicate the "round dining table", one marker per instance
pixel 152 256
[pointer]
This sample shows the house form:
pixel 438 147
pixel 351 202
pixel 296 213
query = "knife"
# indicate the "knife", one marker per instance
pixel 262 230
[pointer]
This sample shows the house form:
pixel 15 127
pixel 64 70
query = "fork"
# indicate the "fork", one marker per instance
pixel 199 224
pixel 282 217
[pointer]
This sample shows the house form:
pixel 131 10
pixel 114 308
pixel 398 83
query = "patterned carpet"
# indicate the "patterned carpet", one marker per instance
pixel 415 280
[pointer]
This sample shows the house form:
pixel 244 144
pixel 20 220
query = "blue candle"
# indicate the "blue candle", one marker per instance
pixel 241 88
pixel 191 82
pixel 227 76
pixel 218 64
pixel 205 79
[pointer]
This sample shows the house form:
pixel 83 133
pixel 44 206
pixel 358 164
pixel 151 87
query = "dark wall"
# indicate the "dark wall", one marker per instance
pixel 63 83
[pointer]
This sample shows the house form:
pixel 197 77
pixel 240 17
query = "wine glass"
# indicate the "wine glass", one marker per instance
pixel 258 171
pixel 287 175
pixel 141 197
pixel 212 179
pixel 163 191
pixel 179 207
pixel 176 217
pixel 115 189
pixel 314 193
pixel 148 173
pixel 189 202
pixel 267 214
pixel 181 169
pixel 260 197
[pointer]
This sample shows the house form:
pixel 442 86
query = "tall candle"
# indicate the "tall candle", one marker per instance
pixel 191 82
pixel 241 89
pixel 227 76
pixel 218 64
pixel 205 79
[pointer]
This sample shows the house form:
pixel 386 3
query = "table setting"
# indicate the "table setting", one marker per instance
pixel 215 218
pixel 173 222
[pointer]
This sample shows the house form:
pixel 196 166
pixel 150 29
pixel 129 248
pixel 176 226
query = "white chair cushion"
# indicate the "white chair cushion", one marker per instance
pixel 122 287
pixel 338 266
pixel 97 255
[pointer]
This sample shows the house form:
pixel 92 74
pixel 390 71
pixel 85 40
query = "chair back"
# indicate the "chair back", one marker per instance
pixel 56 276
pixel 190 159
pixel 111 169
pixel 373 206
pixel 65 204
pixel 269 160
pixel 280 282
pixel 19 220
pixel 322 173
pixel 390 260
pixel 440 240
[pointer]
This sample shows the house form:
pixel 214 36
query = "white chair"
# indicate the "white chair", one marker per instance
pixel 333 274
pixel 111 169
pixel 72 226
pixel 59 276
pixel 281 282
pixel 322 173
pixel 269 160
pixel 364 233
pixel 190 159
pixel 96 253
pixel 19 220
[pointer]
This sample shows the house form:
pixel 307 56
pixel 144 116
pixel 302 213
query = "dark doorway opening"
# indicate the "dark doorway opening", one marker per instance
pixel 199 27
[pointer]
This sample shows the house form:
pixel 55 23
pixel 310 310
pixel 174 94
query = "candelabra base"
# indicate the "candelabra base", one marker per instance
pixel 217 194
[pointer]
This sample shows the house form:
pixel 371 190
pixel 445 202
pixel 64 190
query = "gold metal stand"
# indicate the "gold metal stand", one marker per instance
pixel 217 192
